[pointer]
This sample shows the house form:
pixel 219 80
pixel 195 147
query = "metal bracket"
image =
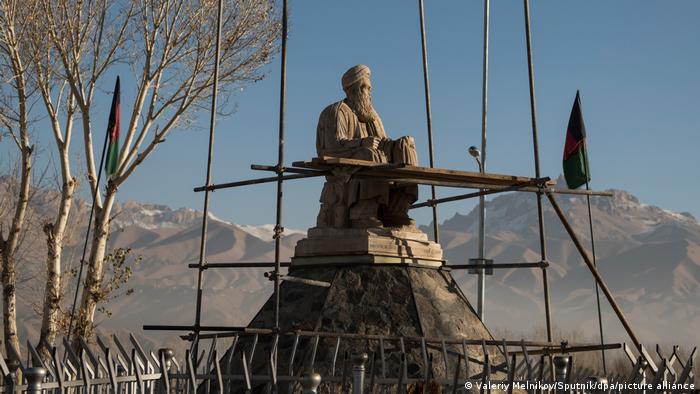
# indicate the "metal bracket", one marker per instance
pixel 485 262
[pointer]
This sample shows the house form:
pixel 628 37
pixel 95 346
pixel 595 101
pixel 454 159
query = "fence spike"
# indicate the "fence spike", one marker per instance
pixel 60 378
pixel 125 358
pixel 190 371
pixel 455 378
pixel 273 361
pixel 229 360
pixel 402 368
pixel 688 368
pixel 526 359
pixel 246 373
pixel 110 369
pixel 3 367
pixel 217 370
pixel 336 349
pixel 252 349
pixel 164 378
pixel 650 361
pixel 511 374
pixel 312 360
pixel 86 371
pixel 211 357
pixel 294 352
pixel 142 353
pixel 87 351
pixel 466 359
pixel 424 353
pixel 138 367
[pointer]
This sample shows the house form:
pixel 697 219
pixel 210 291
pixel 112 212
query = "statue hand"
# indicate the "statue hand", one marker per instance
pixel 371 142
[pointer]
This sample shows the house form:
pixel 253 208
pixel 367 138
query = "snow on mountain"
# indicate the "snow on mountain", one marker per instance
pixel 266 231
pixel 154 216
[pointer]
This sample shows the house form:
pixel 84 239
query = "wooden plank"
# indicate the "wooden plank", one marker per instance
pixel 417 174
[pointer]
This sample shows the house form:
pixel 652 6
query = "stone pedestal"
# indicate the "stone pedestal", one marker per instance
pixel 382 282
pixel 401 245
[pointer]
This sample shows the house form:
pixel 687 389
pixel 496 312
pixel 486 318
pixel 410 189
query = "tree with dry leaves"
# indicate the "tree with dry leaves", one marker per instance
pixel 15 108
pixel 170 46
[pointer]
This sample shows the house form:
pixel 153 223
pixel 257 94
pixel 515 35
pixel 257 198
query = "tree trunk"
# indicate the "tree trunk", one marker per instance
pixel 92 290
pixel 55 233
pixel 9 248
pixel 9 304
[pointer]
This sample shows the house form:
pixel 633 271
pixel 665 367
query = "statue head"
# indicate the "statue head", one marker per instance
pixel 358 90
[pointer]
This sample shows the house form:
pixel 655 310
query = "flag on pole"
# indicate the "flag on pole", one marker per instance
pixel 113 132
pixel 575 160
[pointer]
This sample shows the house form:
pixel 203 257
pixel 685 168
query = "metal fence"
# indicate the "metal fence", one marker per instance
pixel 303 363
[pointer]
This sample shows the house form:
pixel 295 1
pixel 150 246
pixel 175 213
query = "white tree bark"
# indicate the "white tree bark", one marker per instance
pixel 170 47
pixel 15 116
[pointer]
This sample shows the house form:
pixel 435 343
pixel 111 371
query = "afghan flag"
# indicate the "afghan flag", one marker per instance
pixel 576 170
pixel 113 133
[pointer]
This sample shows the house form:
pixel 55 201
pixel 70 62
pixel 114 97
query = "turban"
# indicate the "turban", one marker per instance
pixel 355 74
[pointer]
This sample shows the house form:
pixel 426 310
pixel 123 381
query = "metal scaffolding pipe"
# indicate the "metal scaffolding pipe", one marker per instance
pixel 210 156
pixel 428 114
pixel 540 212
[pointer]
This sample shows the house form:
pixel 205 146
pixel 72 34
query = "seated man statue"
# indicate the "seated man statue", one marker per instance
pixel 352 129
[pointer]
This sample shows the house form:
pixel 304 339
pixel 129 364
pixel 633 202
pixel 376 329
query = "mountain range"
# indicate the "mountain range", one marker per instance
pixel 649 257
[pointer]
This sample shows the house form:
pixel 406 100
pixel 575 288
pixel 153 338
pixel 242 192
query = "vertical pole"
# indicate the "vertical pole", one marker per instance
pixel 482 167
pixel 280 168
pixel 428 114
pixel 597 289
pixel 540 212
pixel 210 154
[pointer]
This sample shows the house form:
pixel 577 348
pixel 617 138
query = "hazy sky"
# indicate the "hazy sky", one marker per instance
pixel 635 62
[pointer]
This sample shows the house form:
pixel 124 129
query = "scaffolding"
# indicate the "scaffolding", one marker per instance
pixel 485 184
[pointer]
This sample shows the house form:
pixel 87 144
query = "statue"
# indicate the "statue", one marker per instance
pixel 351 128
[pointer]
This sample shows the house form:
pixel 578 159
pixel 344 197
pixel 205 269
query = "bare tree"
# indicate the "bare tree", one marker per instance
pixel 171 46
pixel 58 100
pixel 14 116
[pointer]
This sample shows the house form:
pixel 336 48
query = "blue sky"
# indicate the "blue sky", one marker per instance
pixel 635 62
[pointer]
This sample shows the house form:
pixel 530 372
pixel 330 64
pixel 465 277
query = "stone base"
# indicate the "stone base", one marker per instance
pixel 388 300
pixel 401 245
pixel 364 259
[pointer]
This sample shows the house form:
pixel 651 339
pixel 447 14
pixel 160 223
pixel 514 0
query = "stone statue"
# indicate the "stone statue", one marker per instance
pixel 351 128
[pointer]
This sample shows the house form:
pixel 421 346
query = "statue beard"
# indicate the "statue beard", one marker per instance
pixel 361 104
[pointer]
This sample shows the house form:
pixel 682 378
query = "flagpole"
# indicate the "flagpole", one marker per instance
pixel 597 290
pixel 87 234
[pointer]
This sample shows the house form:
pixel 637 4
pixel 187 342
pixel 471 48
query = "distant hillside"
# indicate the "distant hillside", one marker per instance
pixel 649 256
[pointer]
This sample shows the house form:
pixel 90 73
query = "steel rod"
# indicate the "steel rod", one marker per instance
pixel 210 155
pixel 597 289
pixel 256 181
pixel 496 189
pixel 572 349
pixel 239 265
pixel 595 263
pixel 280 164
pixel 482 167
pixel 599 279
pixel 260 167
pixel 428 114
pixel 535 144
pixel 227 331
pixel 539 264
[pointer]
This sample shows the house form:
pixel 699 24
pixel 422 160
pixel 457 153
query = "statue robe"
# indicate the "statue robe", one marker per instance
pixel 339 134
